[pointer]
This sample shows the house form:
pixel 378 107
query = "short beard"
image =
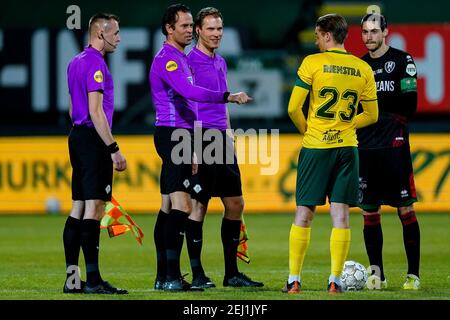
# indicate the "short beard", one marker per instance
pixel 376 48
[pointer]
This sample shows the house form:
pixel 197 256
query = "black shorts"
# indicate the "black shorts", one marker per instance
pixel 92 167
pixel 386 178
pixel 176 173
pixel 218 178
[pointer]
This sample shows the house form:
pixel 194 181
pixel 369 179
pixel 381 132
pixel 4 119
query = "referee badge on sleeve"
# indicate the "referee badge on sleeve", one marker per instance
pixel 171 65
pixel 98 76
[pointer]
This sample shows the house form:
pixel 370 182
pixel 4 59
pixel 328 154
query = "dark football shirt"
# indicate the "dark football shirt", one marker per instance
pixel 396 79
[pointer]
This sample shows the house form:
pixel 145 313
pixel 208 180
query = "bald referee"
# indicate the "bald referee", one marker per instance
pixel 93 153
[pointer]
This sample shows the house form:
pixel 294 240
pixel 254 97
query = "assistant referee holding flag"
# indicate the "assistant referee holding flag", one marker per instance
pixel 93 152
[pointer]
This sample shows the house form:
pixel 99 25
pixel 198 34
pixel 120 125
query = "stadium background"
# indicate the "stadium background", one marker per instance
pixel 264 43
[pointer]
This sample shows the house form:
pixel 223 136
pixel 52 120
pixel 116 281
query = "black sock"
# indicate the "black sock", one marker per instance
pixel 230 240
pixel 174 236
pixel 71 240
pixel 194 242
pixel 158 236
pixel 90 240
pixel 373 238
pixel 411 240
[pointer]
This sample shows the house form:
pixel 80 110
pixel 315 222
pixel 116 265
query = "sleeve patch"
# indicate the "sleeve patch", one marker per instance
pixel 411 69
pixel 408 84
pixel 171 66
pixel 98 76
pixel 300 83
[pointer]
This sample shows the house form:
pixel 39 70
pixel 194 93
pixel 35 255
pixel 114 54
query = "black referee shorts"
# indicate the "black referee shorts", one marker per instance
pixel 386 178
pixel 92 167
pixel 219 179
pixel 175 176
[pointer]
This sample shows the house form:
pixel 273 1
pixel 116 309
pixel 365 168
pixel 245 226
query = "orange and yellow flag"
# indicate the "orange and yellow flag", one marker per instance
pixel 118 221
pixel 242 252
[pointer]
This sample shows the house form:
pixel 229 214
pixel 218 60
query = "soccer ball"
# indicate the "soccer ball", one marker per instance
pixel 53 205
pixel 354 276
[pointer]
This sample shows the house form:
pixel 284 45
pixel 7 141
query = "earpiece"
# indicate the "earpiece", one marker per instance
pixel 114 46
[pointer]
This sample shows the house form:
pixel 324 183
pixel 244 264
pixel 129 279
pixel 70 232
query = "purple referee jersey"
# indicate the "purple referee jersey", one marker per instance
pixel 211 73
pixel 173 91
pixel 88 72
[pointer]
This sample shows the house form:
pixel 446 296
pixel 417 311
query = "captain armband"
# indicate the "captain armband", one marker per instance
pixel 408 84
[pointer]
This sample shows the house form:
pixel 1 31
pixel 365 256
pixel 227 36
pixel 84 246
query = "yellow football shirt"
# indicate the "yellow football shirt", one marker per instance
pixel 337 81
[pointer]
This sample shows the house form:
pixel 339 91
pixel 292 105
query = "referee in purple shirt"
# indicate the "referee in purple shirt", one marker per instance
pixel 93 153
pixel 221 179
pixel 174 96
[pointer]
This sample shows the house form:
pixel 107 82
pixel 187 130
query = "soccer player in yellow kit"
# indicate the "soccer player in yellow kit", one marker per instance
pixel 328 162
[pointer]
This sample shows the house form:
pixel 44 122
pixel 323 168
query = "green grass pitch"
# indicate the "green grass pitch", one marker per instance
pixel 32 259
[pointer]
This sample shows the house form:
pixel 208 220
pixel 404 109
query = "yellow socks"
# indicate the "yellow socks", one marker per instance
pixel 299 238
pixel 339 246
pixel 298 244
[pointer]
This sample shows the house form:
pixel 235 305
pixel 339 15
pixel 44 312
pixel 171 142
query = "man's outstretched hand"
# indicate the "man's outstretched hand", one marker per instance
pixel 239 98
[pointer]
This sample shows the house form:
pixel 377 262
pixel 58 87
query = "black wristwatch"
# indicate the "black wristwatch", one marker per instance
pixel 113 147
pixel 225 96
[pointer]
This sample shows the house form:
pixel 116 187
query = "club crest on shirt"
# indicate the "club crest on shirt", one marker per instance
pixel 171 65
pixel 389 66
pixel 98 76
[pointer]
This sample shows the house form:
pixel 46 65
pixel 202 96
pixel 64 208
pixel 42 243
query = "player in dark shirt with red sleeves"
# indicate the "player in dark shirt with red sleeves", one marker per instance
pixel 386 172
